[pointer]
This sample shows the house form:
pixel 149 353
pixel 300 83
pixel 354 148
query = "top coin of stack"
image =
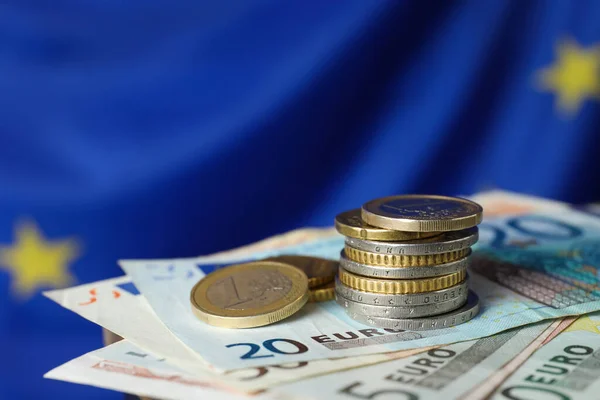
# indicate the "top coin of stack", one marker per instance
pixel 405 259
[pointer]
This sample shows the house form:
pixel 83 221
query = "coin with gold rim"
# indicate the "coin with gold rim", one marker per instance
pixel 422 213
pixel 318 270
pixel 402 261
pixel 249 295
pixel 397 286
pixel 322 293
pixel 350 223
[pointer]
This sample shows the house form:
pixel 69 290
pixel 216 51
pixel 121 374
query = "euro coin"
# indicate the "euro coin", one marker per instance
pixel 421 311
pixel 391 286
pixel 412 299
pixel 350 223
pixel 443 243
pixel 322 293
pixel 401 261
pixel 427 271
pixel 422 213
pixel 249 295
pixel 456 317
pixel 318 270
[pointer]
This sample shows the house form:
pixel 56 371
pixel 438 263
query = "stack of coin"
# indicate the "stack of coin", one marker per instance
pixel 404 264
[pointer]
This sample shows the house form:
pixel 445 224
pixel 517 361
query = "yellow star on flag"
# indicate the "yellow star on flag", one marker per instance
pixel 35 262
pixel 584 323
pixel 574 77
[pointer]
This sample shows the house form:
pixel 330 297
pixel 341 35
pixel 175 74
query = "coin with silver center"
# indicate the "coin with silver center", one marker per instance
pixel 456 317
pixel 425 310
pixel 422 213
pixel 249 295
pixel 349 223
pixel 444 243
pixel 414 299
pixel 426 271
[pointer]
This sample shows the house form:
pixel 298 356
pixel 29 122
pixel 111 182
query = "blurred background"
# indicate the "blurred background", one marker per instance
pixel 154 128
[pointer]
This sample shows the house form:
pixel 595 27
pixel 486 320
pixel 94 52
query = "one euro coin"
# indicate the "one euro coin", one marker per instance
pixel 249 295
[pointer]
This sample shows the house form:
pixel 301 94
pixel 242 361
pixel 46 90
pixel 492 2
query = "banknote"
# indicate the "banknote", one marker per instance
pixel 566 368
pixel 489 385
pixel 447 371
pixel 444 373
pixel 124 368
pixel 556 281
pixel 117 305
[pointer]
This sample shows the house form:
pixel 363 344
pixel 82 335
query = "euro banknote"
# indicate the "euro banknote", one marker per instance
pixel 489 385
pixel 556 279
pixel 117 305
pixel 127 369
pixel 448 372
pixel 566 368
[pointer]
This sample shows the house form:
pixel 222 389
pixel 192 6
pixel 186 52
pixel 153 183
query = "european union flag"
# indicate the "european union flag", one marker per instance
pixel 157 128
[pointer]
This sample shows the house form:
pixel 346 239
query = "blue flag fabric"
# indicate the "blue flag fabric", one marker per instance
pixel 176 128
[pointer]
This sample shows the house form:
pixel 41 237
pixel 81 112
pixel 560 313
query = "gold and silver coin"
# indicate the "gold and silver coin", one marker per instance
pixel 422 213
pixel 390 272
pixel 249 295
pixel 412 299
pixel 446 320
pixel 443 243
pixel 318 270
pixel 350 224
pixel 401 261
pixel 395 311
pixel 398 286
